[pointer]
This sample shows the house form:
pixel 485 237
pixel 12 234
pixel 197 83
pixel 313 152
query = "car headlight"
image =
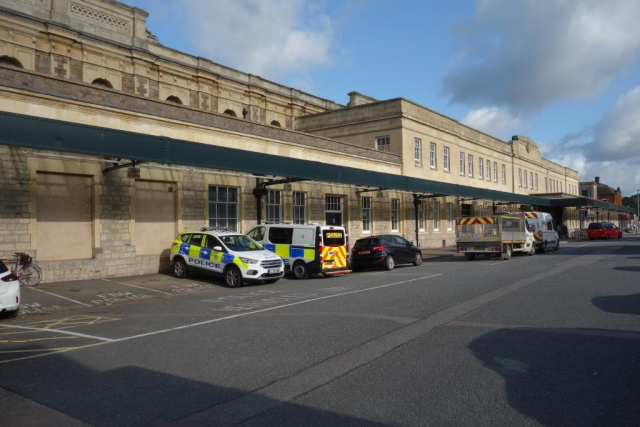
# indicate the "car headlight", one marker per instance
pixel 248 260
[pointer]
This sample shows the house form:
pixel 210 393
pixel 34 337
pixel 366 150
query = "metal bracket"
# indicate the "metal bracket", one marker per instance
pixel 370 190
pixel 279 181
pixel 116 166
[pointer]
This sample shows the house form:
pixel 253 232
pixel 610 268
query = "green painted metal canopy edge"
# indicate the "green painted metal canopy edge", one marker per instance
pixel 48 134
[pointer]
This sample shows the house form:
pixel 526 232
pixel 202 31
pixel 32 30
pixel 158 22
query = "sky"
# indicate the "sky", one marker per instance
pixel 565 73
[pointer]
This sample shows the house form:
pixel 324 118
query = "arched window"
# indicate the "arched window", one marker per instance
pixel 12 62
pixel 102 83
pixel 174 99
pixel 230 113
pixel 276 123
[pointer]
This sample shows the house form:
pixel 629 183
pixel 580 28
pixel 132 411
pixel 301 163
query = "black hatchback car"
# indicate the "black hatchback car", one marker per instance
pixel 384 251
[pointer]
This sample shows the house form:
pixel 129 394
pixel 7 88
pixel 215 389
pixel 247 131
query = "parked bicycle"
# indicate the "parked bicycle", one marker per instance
pixel 29 273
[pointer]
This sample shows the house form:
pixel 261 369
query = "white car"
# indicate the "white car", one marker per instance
pixel 9 292
pixel 236 257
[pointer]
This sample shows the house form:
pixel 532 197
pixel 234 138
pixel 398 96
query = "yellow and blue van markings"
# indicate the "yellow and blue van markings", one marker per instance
pixel 292 251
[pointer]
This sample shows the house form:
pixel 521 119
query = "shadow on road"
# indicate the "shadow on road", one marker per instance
pixel 566 380
pixel 624 304
pixel 633 269
pixel 137 396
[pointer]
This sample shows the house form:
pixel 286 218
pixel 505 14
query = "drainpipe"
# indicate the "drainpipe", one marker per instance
pixel 416 204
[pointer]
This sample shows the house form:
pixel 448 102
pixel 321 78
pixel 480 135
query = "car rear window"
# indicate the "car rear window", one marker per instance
pixel 333 238
pixel 367 243
pixel 595 226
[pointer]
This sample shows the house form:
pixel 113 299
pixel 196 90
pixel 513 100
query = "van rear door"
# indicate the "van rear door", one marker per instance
pixel 334 248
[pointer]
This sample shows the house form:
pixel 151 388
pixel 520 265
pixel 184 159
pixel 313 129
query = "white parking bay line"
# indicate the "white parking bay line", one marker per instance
pixel 271 308
pixel 59 296
pixel 136 286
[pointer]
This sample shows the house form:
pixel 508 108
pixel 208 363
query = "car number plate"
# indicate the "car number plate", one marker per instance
pixel 328 262
pixel 273 271
pixel 479 248
pixel 364 252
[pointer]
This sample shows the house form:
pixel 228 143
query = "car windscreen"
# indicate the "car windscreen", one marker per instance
pixel 595 226
pixel 240 243
pixel 333 238
pixel 367 243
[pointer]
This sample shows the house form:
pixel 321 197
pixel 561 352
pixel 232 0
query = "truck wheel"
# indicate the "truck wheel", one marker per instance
pixel 506 255
pixel 233 277
pixel 300 270
pixel 470 257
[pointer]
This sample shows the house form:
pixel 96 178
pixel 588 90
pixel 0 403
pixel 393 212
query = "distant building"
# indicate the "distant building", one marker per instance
pixel 603 192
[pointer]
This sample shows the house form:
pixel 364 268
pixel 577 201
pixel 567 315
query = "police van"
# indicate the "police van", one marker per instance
pixel 234 256
pixel 306 248
pixel 544 231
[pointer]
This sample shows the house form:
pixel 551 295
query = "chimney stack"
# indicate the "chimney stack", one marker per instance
pixel 597 180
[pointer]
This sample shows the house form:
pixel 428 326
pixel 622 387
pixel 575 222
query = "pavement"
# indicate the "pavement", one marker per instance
pixel 550 340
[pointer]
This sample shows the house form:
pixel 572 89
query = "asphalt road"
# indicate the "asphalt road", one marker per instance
pixel 549 340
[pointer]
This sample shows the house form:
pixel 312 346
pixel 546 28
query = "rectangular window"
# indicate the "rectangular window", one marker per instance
pixel 436 216
pixel 526 182
pixel 395 210
pixel 461 163
pixel 536 181
pixel 449 216
pixel 223 207
pixel 366 214
pixel 519 177
pixel 333 211
pixel 273 206
pixel 421 215
pixel 470 161
pixel 417 151
pixel 432 155
pixel 446 158
pixel 481 168
pixel 488 176
pixel 546 185
pixel 382 143
pixel 504 174
pixel 561 186
pixel 495 172
pixel 531 180
pixel 299 208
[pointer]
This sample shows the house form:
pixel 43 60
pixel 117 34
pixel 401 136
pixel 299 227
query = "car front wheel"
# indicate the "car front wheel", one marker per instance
pixel 233 277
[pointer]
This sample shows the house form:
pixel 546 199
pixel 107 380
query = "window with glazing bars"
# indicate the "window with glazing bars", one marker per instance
pixel 417 151
pixel 446 158
pixel 470 162
pixel 488 175
pixel 436 216
pixel 273 206
pixel 382 143
pixel 461 163
pixel 421 215
pixel 449 216
pixel 299 207
pixel 504 174
pixel 432 155
pixel 495 172
pixel 480 168
pixel 395 210
pixel 223 207
pixel 366 214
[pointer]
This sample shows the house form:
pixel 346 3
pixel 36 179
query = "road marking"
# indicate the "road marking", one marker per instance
pixel 268 309
pixel 58 331
pixel 570 331
pixel 136 286
pixel 35 339
pixel 62 350
pixel 59 296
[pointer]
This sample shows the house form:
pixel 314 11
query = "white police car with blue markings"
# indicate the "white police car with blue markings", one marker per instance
pixel 234 256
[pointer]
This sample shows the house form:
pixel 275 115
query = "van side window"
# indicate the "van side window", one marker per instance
pixel 257 234
pixel 549 225
pixel 280 236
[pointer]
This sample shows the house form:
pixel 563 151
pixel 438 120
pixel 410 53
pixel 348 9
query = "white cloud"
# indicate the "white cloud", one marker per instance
pixel 495 121
pixel 530 54
pixel 264 37
pixel 613 150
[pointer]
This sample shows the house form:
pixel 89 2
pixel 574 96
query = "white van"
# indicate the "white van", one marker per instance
pixel 306 248
pixel 544 231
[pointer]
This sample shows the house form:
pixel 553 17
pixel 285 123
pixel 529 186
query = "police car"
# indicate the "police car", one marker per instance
pixel 234 256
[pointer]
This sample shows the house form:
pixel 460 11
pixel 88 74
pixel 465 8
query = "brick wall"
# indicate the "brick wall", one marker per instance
pixel 14 202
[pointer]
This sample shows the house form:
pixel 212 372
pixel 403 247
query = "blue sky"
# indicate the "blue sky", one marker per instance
pixel 564 73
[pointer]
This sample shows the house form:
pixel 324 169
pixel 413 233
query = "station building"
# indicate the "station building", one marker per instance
pixel 111 144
